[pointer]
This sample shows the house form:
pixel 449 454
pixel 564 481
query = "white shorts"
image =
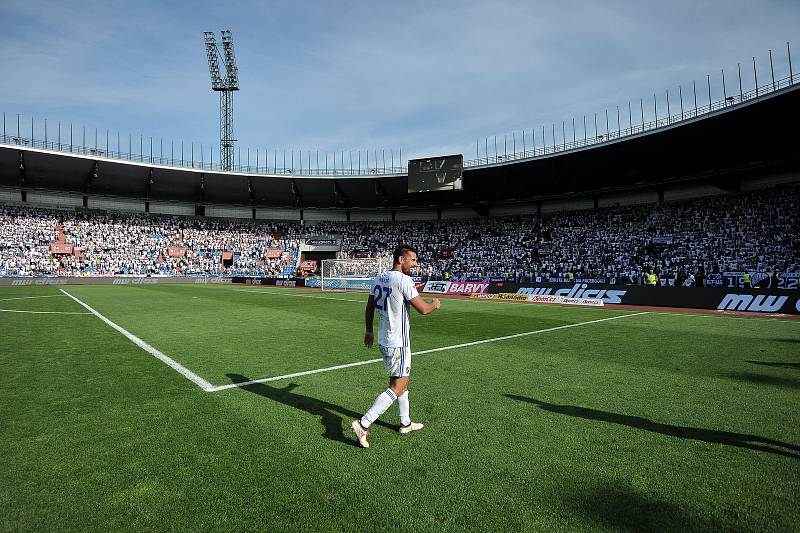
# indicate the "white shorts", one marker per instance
pixel 397 361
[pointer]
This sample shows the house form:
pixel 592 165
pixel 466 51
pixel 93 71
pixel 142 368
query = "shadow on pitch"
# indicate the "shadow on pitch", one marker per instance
pixel 330 414
pixel 617 506
pixel 763 379
pixel 739 440
pixel 790 366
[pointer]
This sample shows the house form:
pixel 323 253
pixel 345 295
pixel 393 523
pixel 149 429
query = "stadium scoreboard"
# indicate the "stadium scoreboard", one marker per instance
pixel 443 173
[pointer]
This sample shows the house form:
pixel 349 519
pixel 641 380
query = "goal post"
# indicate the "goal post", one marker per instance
pixel 349 274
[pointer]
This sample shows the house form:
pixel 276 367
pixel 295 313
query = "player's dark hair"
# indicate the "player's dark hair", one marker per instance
pixel 403 249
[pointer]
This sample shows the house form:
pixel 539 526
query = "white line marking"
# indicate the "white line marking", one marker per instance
pixel 528 333
pixel 182 370
pixel 268 291
pixel 294 375
pixel 29 297
pixel 359 363
pixel 42 312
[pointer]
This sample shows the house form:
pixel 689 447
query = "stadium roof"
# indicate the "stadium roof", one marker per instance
pixel 722 142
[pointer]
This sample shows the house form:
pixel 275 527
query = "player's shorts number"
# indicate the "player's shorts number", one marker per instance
pixel 379 291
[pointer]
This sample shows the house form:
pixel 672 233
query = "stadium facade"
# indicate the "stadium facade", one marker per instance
pixel 736 144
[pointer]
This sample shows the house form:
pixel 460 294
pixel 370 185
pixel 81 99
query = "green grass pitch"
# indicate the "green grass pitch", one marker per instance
pixel 657 421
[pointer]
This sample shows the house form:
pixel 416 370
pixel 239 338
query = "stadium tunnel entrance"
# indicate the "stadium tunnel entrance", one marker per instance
pixel 311 261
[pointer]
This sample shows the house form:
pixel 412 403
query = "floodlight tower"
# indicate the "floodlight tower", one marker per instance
pixel 225 87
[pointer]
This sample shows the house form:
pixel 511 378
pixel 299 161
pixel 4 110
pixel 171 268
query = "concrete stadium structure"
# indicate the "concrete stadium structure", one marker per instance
pixel 737 144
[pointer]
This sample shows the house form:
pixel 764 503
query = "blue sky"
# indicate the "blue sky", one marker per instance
pixel 427 77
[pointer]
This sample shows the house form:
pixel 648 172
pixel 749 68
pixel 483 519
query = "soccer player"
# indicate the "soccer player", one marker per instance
pixel 392 292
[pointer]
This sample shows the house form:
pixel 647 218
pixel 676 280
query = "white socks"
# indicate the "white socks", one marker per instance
pixel 382 403
pixel 379 406
pixel 403 407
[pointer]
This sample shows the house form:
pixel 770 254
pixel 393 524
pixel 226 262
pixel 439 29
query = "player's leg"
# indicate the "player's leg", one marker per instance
pixel 404 409
pixel 379 406
pixel 392 361
pixel 400 387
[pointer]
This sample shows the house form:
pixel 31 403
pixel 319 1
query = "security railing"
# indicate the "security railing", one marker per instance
pixel 193 156
pixel 609 135
pixel 374 163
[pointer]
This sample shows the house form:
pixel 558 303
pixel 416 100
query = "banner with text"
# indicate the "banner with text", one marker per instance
pixel 719 298
pixel 61 248
pixel 456 287
pixel 270 282
pixel 25 282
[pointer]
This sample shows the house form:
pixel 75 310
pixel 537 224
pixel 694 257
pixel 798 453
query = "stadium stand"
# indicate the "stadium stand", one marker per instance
pixel 110 244
pixel 748 231
pixel 751 231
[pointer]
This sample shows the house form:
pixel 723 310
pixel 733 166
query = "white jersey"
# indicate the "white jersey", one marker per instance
pixel 392 291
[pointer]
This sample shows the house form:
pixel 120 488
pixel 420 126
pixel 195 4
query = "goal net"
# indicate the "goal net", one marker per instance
pixel 349 274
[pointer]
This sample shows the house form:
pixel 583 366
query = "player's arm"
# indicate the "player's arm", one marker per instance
pixel 369 316
pixel 423 307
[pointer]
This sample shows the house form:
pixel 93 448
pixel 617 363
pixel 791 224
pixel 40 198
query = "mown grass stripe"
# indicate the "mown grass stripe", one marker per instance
pixel 182 370
pixel 454 346
pixel 31 297
pixel 42 312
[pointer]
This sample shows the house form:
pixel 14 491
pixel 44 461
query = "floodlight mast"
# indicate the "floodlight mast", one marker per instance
pixel 225 88
pixel 230 61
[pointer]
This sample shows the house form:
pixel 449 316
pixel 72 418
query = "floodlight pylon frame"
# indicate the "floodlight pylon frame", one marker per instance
pixel 225 88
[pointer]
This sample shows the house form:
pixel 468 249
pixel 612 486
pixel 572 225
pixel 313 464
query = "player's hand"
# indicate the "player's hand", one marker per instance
pixel 436 303
pixel 369 339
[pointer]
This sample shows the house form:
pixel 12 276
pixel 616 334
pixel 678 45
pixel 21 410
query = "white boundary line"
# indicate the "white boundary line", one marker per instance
pixel 514 336
pixel 29 297
pixel 182 370
pixel 294 375
pixel 453 347
pixel 42 312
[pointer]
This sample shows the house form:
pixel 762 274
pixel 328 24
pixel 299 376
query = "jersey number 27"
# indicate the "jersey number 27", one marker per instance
pixel 379 291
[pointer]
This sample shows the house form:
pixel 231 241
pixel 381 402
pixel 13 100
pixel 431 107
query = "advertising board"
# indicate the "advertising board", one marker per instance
pixel 718 298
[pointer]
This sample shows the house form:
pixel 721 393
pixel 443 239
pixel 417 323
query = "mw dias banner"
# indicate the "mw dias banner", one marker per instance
pixel 272 282
pixel 456 287
pixel 785 301
pixel 24 282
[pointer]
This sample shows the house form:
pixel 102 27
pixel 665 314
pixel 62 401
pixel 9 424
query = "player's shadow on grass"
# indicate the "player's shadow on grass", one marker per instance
pixel 618 506
pixel 763 379
pixel 790 366
pixel 328 412
pixel 740 440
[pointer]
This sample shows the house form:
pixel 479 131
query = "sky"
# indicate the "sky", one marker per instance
pixel 425 77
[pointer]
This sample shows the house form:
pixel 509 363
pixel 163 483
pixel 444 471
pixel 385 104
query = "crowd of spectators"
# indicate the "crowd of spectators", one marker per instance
pixel 756 231
pixel 107 244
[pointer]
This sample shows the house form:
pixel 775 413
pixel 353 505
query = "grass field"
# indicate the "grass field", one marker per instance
pixel 653 421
